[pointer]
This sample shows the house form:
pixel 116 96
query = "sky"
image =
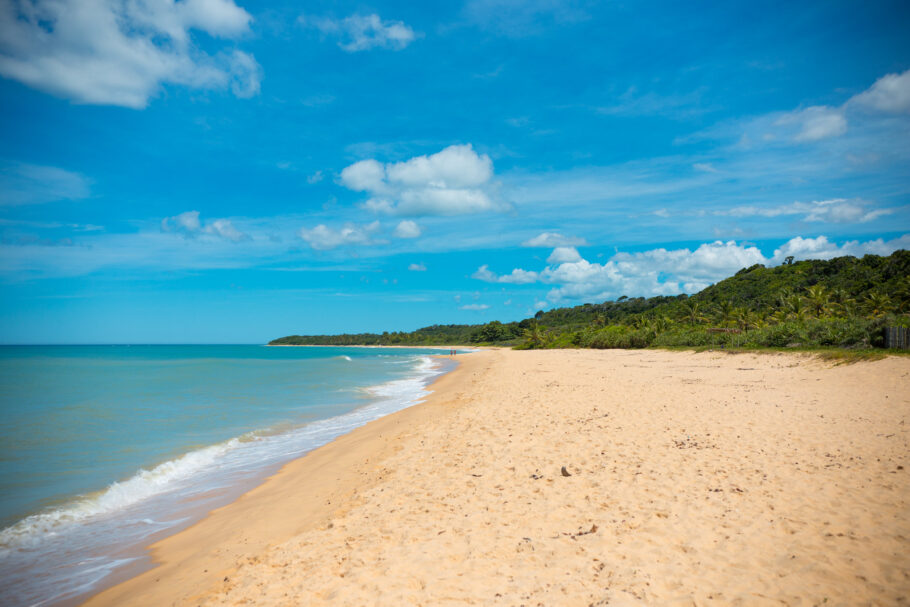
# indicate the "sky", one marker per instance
pixel 226 171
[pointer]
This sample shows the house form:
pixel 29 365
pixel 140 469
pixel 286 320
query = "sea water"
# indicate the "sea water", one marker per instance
pixel 106 448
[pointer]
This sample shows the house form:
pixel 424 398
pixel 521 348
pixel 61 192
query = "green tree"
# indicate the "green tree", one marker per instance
pixel 725 311
pixel 878 304
pixel 693 312
pixel 819 300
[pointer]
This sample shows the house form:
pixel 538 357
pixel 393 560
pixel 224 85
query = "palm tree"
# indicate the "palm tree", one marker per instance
pixel 796 307
pixel 819 300
pixel 779 315
pixel 534 337
pixel 725 309
pixel 693 312
pixel 878 304
pixel 743 317
pixel 839 295
pixel 642 322
pixel 903 295
pixel 661 323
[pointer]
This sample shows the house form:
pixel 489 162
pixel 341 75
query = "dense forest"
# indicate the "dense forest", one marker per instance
pixel 842 302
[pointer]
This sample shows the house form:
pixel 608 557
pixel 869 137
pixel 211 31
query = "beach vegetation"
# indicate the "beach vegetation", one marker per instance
pixel 841 303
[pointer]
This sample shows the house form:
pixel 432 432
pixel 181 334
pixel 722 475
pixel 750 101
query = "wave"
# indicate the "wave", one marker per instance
pixel 118 496
pixel 63 552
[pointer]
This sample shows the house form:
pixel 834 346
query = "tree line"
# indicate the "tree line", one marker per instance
pixel 843 302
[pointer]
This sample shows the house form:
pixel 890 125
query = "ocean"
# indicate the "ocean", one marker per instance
pixel 104 449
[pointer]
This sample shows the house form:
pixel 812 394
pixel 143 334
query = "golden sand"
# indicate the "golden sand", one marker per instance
pixel 689 479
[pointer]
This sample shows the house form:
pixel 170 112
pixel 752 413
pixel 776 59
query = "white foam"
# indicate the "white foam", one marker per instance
pixel 117 496
pixel 44 555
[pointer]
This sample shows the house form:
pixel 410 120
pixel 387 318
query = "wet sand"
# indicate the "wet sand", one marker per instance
pixel 576 478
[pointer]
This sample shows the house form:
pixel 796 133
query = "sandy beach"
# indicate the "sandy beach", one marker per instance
pixel 581 478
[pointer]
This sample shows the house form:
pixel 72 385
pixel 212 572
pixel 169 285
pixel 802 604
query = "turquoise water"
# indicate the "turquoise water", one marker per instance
pixel 102 446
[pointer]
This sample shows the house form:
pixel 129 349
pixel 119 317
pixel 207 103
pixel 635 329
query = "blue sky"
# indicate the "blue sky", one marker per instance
pixel 213 171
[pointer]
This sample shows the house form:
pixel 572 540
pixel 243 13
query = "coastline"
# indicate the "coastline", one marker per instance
pixel 335 472
pixel 246 427
pixel 686 478
pixel 435 347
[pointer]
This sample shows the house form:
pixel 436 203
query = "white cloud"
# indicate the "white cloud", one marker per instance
pixel 516 277
pixel 116 52
pixel 407 229
pixel 554 239
pixel 188 221
pixel 22 184
pixel 816 122
pixel 454 181
pixel 563 255
pixel 364 176
pixel 475 307
pixel 323 238
pixel 669 272
pixel 705 167
pixel 189 224
pixel 363 32
pixel 822 248
pixel 890 93
pixel 314 178
pixel 225 229
pixel 836 210
pixel 417 267
pixel 246 75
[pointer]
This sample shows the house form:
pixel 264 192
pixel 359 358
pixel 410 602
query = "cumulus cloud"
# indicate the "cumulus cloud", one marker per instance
pixel 816 122
pixel 475 307
pixel 890 93
pixel 22 184
pixel 417 267
pixel 554 239
pixel 363 32
pixel 563 255
pixel 669 272
pixel 835 210
pixel 119 52
pixel 822 248
pixel 407 229
pixel 189 224
pixel 323 238
pixel 454 181
pixel 516 277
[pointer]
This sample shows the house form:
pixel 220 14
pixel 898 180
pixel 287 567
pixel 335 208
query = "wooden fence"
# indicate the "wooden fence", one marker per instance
pixel 897 337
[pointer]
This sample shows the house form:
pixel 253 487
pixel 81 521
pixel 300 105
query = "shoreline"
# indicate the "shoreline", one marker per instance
pixel 686 478
pixel 169 555
pixel 93 541
pixel 435 347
